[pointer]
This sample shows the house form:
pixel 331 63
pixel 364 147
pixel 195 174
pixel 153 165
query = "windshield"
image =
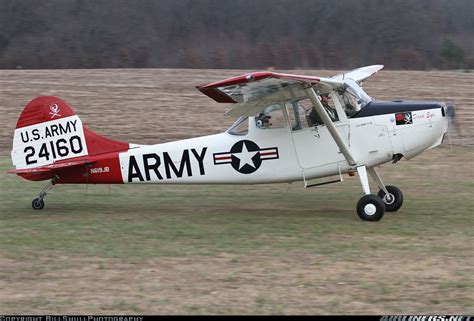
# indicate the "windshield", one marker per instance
pixel 352 97
pixel 357 92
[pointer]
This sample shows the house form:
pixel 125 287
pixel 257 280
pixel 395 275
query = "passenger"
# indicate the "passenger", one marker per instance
pixel 330 110
pixel 313 117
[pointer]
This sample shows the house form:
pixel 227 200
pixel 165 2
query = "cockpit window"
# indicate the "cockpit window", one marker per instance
pixel 302 114
pixel 349 103
pixel 240 127
pixel 353 97
pixel 356 91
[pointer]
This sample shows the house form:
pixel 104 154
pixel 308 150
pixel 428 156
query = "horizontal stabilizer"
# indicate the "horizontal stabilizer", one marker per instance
pixel 50 167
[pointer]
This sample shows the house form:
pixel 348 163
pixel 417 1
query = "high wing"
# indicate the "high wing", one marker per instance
pixel 250 92
pixel 359 74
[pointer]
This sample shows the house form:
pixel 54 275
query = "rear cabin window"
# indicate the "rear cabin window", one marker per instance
pixel 297 111
pixel 271 117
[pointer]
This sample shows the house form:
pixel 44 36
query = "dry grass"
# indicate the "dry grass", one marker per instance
pixel 232 250
pixel 294 283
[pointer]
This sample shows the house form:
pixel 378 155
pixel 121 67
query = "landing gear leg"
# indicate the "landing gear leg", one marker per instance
pixel 392 196
pixel 370 207
pixel 38 203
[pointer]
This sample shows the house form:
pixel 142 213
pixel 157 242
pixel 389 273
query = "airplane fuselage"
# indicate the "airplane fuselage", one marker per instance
pixel 270 155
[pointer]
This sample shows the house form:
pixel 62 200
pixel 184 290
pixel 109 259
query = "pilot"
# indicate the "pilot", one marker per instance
pixel 330 110
pixel 313 116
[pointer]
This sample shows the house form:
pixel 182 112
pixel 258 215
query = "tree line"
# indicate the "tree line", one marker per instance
pixel 243 34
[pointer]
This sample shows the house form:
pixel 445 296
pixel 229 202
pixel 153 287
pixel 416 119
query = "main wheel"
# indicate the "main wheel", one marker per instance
pixel 393 200
pixel 370 208
pixel 37 204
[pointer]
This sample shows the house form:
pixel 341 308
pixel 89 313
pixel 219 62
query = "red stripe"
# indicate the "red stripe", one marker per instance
pixel 268 153
pixel 222 157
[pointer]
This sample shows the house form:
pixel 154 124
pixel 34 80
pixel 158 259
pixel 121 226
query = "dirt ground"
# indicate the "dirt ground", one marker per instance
pixel 230 284
pixel 149 106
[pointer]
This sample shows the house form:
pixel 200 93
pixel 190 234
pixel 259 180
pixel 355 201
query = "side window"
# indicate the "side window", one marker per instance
pixel 271 117
pixel 297 111
pixel 328 104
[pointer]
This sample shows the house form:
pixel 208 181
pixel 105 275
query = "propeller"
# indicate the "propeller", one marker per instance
pixel 450 113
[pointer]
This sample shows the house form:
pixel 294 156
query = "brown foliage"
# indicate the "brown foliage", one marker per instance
pixel 284 34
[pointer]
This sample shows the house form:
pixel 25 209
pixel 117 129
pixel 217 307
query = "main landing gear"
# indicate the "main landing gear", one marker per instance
pixel 372 207
pixel 38 203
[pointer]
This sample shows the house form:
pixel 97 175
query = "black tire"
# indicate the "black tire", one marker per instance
pixel 395 199
pixel 370 208
pixel 37 204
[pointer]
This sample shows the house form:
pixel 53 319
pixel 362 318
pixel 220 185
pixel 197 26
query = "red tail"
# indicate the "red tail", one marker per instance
pixel 48 108
pixel 49 132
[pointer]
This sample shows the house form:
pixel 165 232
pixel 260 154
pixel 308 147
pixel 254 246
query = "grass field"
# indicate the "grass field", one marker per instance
pixel 227 250
pixel 271 249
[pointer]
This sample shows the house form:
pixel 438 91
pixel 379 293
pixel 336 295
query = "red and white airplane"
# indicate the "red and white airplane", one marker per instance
pixel 289 128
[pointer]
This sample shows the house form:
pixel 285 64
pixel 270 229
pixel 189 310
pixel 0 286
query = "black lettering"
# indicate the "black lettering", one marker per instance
pixel 134 170
pixel 44 152
pixel 24 139
pixel 184 162
pixel 27 158
pixel 47 133
pixel 153 167
pixel 62 150
pixel 73 123
pixel 54 130
pixel 75 149
pixel 200 159
pixel 64 130
pixel 52 149
pixel 35 133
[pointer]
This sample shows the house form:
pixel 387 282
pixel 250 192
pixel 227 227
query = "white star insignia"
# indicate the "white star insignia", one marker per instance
pixel 245 157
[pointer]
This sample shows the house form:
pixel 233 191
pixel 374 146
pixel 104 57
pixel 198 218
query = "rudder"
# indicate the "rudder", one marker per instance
pixel 48 131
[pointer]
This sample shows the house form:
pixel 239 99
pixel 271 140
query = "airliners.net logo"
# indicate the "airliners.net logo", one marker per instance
pixel 426 318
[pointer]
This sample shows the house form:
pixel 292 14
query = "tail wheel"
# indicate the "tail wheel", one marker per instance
pixel 393 200
pixel 37 204
pixel 370 208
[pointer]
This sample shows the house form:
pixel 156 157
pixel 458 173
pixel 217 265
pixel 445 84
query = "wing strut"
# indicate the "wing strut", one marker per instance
pixel 330 125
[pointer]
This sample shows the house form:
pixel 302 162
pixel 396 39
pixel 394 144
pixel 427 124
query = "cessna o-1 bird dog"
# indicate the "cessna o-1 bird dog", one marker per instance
pixel 288 128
